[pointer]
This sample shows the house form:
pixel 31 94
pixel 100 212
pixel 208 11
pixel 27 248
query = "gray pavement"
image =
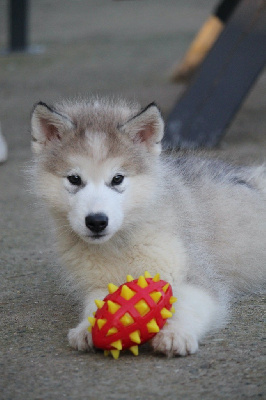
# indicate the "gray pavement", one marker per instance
pixel 106 47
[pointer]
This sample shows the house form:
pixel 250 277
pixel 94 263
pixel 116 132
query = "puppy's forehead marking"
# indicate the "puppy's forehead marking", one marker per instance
pixel 97 145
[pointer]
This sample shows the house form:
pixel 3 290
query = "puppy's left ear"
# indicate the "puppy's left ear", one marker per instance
pixel 47 125
pixel 146 127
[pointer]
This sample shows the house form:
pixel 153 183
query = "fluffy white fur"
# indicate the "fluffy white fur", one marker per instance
pixel 200 223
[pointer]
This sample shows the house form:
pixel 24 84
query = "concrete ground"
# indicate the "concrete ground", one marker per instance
pixel 106 47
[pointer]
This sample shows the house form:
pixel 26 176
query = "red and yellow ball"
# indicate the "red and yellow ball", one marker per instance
pixel 131 314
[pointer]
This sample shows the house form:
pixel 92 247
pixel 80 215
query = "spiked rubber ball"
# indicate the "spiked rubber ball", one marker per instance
pixel 131 314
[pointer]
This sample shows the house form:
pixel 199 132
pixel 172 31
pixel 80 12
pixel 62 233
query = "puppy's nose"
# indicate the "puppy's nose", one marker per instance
pixel 96 222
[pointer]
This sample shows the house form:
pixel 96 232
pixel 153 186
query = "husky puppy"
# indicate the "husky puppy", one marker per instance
pixel 120 206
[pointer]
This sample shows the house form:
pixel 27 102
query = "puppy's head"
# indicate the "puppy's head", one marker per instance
pixel 96 163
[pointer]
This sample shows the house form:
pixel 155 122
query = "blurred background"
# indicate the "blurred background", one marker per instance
pixel 106 47
pixel 123 48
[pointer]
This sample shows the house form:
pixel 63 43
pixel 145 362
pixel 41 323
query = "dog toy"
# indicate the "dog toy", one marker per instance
pixel 131 314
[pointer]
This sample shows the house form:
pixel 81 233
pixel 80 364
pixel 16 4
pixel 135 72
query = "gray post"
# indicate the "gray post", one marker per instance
pixel 18 25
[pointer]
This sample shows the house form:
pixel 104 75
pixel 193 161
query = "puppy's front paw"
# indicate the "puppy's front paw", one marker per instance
pixel 174 342
pixel 80 338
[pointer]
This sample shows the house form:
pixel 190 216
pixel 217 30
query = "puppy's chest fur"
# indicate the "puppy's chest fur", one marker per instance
pixel 97 265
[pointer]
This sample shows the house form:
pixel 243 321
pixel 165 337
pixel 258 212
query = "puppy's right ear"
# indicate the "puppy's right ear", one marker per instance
pixel 47 125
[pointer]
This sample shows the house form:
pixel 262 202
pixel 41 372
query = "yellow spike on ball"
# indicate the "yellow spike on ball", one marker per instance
pixel 112 307
pixel 142 307
pixel 126 320
pixel 156 296
pixel 130 278
pixel 112 288
pixel 112 331
pixel 142 282
pixel 166 313
pixel 135 337
pixel 152 326
pixel 172 300
pixel 101 322
pixel 99 303
pixel 115 353
pixel 92 320
pixel 117 345
pixel 126 292
pixel 166 287
pixel 134 350
pixel 156 278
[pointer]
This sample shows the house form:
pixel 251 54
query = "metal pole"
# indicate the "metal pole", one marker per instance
pixel 18 25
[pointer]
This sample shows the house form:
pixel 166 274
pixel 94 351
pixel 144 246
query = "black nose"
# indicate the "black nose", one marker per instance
pixel 96 222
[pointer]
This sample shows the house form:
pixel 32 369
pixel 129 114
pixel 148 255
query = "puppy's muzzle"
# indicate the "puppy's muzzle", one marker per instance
pixel 96 222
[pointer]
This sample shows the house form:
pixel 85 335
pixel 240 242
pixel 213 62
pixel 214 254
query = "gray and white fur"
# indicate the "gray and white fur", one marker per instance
pixel 120 206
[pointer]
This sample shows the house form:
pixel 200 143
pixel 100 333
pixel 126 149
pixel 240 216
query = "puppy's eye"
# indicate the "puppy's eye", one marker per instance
pixel 117 180
pixel 75 180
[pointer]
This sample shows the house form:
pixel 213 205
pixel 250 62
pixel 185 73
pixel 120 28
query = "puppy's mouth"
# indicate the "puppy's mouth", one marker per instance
pixel 97 238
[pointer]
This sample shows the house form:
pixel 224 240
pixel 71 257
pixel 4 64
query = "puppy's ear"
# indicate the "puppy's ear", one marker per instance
pixel 47 125
pixel 146 127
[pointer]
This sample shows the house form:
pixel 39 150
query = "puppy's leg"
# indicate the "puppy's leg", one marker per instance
pixel 197 312
pixel 80 338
